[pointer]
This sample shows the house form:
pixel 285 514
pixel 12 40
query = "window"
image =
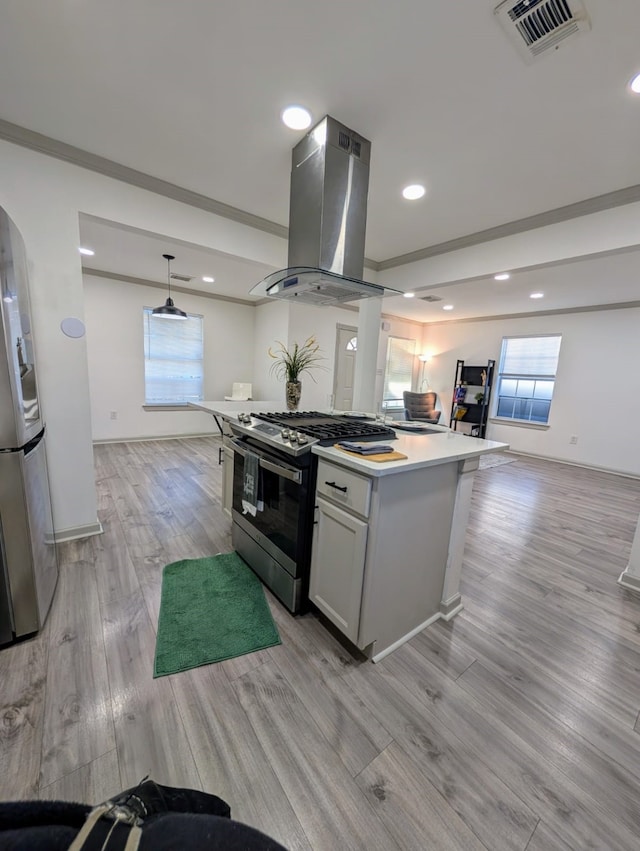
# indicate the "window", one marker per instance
pixel 173 359
pixel 526 377
pixel 398 374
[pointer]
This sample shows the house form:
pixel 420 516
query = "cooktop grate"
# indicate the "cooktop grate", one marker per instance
pixel 328 428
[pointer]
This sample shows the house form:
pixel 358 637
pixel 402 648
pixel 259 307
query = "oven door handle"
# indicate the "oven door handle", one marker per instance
pixel 283 470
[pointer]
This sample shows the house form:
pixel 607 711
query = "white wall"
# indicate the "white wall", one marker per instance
pixel 271 324
pixel 319 322
pixel 113 316
pixel 597 392
pixel 44 197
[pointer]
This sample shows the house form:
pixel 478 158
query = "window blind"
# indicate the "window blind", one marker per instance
pixel 527 378
pixel 530 356
pixel 398 375
pixel 173 359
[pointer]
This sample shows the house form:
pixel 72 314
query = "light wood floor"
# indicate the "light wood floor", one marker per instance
pixel 515 726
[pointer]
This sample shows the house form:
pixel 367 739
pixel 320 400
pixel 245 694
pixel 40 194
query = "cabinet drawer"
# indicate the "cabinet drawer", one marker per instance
pixel 344 488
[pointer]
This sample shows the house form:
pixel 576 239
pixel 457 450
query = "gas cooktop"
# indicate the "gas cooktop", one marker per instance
pixel 295 432
pixel 328 428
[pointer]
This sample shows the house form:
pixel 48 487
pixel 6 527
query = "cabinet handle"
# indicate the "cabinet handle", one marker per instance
pixel 337 487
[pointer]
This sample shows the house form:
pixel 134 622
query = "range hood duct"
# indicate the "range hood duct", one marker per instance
pixel 327 220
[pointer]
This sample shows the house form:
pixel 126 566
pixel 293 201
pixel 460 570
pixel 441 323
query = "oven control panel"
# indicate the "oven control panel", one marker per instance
pixel 287 440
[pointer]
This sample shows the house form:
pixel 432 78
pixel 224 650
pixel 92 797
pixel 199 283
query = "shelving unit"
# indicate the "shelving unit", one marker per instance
pixel 471 381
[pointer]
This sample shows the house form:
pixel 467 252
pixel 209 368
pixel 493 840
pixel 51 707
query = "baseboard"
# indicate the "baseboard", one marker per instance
pixel 450 608
pixel 101 441
pixel 630 581
pixel 63 535
pixel 595 467
pixel 378 657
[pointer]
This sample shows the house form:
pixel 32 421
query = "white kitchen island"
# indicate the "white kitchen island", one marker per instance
pixel 389 537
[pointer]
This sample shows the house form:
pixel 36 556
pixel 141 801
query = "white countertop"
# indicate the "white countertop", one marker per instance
pixel 422 450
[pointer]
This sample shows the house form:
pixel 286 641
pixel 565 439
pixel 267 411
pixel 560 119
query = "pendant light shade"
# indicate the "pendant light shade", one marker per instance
pixel 168 310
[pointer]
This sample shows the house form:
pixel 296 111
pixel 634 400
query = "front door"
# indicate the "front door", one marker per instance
pixel 346 347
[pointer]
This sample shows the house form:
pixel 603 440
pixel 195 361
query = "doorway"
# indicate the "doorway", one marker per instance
pixel 345 363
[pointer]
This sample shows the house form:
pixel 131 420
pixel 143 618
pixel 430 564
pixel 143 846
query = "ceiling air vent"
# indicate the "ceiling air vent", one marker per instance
pixel 184 278
pixel 535 26
pixel 430 298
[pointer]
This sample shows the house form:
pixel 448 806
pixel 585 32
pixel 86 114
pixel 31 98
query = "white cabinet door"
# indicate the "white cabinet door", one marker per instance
pixel 227 480
pixel 337 566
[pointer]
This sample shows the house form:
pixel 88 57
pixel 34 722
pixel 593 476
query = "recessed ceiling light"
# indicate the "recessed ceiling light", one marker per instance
pixel 634 85
pixel 208 280
pixel 447 307
pixel 88 251
pixel 409 295
pixel 536 295
pixel 296 117
pixel 413 192
pixel 503 276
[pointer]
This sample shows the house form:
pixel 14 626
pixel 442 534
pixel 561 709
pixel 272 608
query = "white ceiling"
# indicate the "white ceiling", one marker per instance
pixel 191 93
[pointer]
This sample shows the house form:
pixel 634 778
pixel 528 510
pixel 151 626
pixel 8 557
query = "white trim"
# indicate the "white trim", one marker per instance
pixel 75 532
pixel 618 198
pixel 522 423
pixel 85 159
pixel 107 440
pixel 498 317
pixel 450 607
pixel 452 613
pixel 176 406
pixel 381 655
pixel 629 580
pixel 624 473
pixel 144 282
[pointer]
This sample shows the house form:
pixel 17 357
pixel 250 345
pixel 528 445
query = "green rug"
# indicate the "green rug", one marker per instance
pixel 211 609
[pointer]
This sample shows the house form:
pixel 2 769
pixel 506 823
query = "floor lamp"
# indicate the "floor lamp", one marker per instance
pixel 424 381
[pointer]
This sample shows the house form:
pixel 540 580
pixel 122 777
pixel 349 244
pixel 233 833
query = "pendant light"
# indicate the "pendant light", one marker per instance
pixel 168 310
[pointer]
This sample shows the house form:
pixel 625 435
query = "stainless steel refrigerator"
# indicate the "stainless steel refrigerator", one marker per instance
pixel 28 557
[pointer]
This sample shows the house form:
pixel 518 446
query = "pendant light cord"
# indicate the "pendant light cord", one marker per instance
pixel 169 258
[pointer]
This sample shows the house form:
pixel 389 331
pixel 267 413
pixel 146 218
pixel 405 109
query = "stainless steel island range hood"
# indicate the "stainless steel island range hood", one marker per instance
pixel 327 220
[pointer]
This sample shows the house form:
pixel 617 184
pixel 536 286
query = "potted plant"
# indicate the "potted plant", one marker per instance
pixel 289 364
pixel 479 397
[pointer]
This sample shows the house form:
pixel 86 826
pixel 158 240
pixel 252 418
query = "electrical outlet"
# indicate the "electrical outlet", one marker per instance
pixel 114 415
pixel 573 439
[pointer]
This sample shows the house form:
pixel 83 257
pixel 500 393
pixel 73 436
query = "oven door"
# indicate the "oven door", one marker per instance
pixel 279 527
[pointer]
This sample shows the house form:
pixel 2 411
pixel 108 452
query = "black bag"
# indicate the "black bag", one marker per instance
pixel 149 817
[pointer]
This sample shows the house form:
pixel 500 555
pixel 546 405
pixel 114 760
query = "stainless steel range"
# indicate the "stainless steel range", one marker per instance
pixel 274 537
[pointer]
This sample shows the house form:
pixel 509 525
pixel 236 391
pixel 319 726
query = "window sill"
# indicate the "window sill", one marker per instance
pixel 519 423
pixel 179 406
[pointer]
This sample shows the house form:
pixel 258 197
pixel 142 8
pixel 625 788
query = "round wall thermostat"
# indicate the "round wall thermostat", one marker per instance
pixel 72 327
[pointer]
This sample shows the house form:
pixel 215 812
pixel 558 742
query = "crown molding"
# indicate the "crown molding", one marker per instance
pixel 590 308
pixel 76 156
pixel 18 135
pixel 143 282
pixel 608 201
